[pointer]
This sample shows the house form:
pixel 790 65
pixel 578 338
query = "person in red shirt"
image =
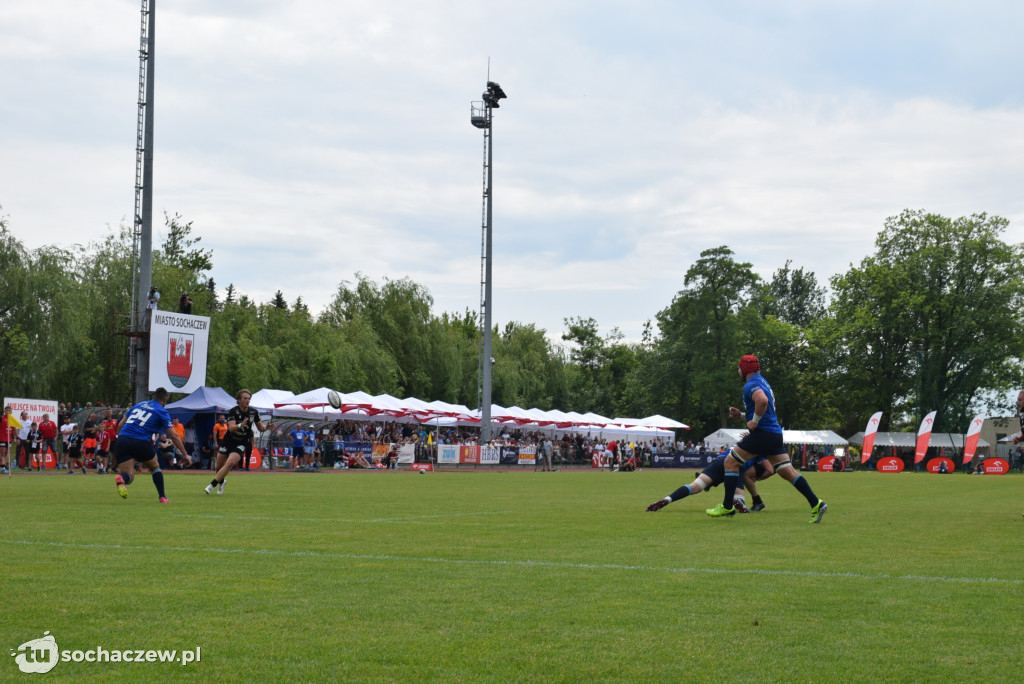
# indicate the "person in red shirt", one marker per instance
pixel 48 438
pixel 613 447
pixel 109 436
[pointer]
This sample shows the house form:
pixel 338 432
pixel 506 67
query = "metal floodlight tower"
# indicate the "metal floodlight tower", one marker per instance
pixel 142 247
pixel 481 116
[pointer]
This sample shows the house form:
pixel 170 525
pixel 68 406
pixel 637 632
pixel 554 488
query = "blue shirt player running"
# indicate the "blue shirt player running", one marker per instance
pixel 135 442
pixel 764 438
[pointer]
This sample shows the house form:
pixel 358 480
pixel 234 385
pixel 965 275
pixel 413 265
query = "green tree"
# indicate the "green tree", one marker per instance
pixel 595 379
pixel 399 313
pixel 931 321
pixel 702 337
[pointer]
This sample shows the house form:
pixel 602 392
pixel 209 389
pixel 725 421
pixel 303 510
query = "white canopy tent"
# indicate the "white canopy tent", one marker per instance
pixel 653 421
pixel 265 400
pixel 728 436
pixel 313 405
pixel 947 440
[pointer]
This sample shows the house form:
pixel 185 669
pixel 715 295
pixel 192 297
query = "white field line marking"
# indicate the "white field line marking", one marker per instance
pixel 519 563
pixel 415 520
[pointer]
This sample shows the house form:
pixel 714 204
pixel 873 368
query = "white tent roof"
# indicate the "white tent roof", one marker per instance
pixel 947 440
pixel 811 437
pixel 265 399
pixel 362 406
pixel 663 422
pixel 729 436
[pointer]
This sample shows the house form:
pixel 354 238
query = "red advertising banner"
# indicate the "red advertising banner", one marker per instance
pixel 422 466
pixel 869 437
pixel 48 461
pixel 924 436
pixel 889 464
pixel 935 465
pixel 827 464
pixel 469 454
pixel 255 459
pixel 995 466
pixel 973 433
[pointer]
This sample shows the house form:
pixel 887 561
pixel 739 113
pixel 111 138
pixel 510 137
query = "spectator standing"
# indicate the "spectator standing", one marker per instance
pixel 108 435
pixel 190 438
pixel 67 428
pixel 23 440
pixel 298 444
pixel 32 440
pixel 48 438
pixel 311 446
pixel 6 432
pixel 178 427
pixel 220 428
pixel 73 448
pixel 90 436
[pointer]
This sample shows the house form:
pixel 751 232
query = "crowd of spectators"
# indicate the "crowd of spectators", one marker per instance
pixel 81 437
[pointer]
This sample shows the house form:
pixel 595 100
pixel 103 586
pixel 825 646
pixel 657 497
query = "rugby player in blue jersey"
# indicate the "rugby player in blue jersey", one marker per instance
pixel 135 442
pixel 764 438
pixel 755 469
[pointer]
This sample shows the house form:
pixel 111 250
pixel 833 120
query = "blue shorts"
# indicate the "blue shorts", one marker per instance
pixel 128 449
pixel 716 471
pixel 761 443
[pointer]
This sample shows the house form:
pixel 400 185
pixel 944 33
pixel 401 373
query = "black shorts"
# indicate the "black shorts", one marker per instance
pixel 761 443
pixel 243 450
pixel 128 449
pixel 298 452
pixel 74 452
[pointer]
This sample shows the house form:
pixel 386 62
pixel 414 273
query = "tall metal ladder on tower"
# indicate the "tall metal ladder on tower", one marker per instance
pixel 140 151
pixel 483 269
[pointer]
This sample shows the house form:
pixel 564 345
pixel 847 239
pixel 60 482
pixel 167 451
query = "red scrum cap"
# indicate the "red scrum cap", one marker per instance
pixel 749 364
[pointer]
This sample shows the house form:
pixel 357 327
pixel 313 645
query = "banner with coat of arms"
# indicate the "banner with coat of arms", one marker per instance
pixel 178 345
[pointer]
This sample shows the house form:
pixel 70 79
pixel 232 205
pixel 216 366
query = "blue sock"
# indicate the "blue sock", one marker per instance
pixel 732 481
pixel 158 481
pixel 681 493
pixel 804 488
pixel 127 477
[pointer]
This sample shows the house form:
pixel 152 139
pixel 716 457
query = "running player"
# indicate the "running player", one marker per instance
pixel 237 442
pixel 764 438
pixel 758 468
pixel 135 442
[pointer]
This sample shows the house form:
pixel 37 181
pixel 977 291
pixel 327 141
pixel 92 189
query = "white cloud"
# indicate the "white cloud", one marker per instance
pixel 307 141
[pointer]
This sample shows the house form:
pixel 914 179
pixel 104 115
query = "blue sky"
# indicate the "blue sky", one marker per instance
pixel 309 140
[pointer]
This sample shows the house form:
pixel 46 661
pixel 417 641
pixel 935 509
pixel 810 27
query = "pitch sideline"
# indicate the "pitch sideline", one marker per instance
pixel 518 563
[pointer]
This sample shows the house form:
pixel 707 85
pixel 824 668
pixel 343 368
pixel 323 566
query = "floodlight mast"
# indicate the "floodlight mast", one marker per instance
pixel 142 232
pixel 481 116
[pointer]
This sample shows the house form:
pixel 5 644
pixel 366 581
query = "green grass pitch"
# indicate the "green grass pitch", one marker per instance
pixel 517 577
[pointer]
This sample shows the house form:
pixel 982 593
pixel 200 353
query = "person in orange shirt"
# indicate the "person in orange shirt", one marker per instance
pixel 178 427
pixel 220 428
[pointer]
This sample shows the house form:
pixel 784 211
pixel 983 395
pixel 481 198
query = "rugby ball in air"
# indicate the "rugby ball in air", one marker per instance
pixel 334 399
